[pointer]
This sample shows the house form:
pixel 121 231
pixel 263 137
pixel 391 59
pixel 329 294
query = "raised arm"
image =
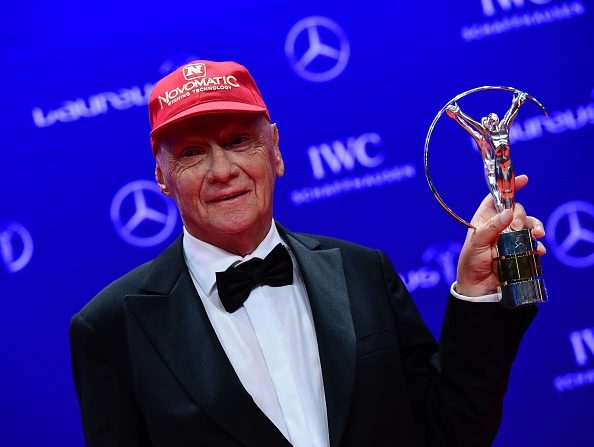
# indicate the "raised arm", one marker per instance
pixel 509 117
pixel 471 126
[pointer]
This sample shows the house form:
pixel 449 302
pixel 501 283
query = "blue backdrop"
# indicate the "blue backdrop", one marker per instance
pixel 353 89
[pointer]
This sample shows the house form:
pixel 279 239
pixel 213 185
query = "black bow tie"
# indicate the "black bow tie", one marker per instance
pixel 236 283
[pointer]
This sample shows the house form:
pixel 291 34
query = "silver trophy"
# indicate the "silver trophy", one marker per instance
pixel 518 263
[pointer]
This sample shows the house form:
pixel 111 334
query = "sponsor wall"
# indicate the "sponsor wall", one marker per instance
pixel 353 89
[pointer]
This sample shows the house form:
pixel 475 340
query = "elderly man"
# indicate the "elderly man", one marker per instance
pixel 243 333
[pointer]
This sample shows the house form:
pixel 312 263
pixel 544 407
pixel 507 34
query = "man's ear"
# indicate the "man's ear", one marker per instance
pixel 161 180
pixel 278 163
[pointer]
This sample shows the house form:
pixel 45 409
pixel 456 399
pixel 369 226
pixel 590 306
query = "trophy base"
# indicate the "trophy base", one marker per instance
pixel 520 273
pixel 522 293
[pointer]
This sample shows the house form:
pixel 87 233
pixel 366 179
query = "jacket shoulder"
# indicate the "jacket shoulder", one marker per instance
pixel 153 277
pixel 106 305
pixel 349 249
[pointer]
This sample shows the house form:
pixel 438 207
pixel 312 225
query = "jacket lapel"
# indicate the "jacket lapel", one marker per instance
pixel 325 282
pixel 174 320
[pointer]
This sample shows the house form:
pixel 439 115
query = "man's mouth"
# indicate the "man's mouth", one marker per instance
pixel 229 197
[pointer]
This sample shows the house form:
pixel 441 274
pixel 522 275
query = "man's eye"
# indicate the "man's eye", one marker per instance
pixel 190 152
pixel 238 140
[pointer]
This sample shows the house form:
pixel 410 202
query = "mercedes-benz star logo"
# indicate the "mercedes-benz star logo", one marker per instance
pixel 141 215
pixel 317 48
pixel 16 246
pixel 570 233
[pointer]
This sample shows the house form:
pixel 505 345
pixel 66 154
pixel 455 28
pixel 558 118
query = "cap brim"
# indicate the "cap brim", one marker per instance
pixel 211 108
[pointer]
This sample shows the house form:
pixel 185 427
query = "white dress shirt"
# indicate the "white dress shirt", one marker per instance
pixel 490 298
pixel 270 341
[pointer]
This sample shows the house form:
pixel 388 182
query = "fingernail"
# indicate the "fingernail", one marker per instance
pixel 517 224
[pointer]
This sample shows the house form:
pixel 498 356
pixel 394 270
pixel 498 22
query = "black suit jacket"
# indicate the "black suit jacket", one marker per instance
pixel 150 371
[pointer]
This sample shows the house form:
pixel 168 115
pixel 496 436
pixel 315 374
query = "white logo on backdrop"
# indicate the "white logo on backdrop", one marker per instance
pixel 490 9
pixel 342 156
pixel 567 119
pixel 503 16
pixel 441 259
pixel 135 221
pixel 16 246
pixel 109 100
pixel 322 60
pixel 334 164
pixel 571 240
pixel 582 342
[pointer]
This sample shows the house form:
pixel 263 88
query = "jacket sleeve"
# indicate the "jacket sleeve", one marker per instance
pixel 110 415
pixel 456 387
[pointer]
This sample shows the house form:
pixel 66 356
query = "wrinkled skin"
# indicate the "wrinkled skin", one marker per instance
pixel 221 169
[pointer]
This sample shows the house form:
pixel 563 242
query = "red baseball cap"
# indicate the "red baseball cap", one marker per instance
pixel 203 87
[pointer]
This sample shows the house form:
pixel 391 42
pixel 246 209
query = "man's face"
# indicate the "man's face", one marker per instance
pixel 492 121
pixel 220 169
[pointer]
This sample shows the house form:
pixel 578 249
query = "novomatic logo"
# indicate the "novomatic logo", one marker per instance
pixel 335 164
pixel 582 344
pixel 197 85
pixel 193 71
pixel 510 15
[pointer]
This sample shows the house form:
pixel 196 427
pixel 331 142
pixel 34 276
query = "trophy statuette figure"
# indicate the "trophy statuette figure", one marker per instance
pixel 518 263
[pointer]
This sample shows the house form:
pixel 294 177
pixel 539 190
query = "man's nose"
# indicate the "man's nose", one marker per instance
pixel 221 166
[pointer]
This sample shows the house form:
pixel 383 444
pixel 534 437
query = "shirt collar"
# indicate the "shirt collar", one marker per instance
pixel 204 260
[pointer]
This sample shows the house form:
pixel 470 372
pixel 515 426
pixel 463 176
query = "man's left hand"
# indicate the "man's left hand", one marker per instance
pixel 476 271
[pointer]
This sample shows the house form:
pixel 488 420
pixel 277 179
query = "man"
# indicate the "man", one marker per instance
pixel 242 333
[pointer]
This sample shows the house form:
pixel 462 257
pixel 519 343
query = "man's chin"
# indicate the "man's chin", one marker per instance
pixel 241 229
